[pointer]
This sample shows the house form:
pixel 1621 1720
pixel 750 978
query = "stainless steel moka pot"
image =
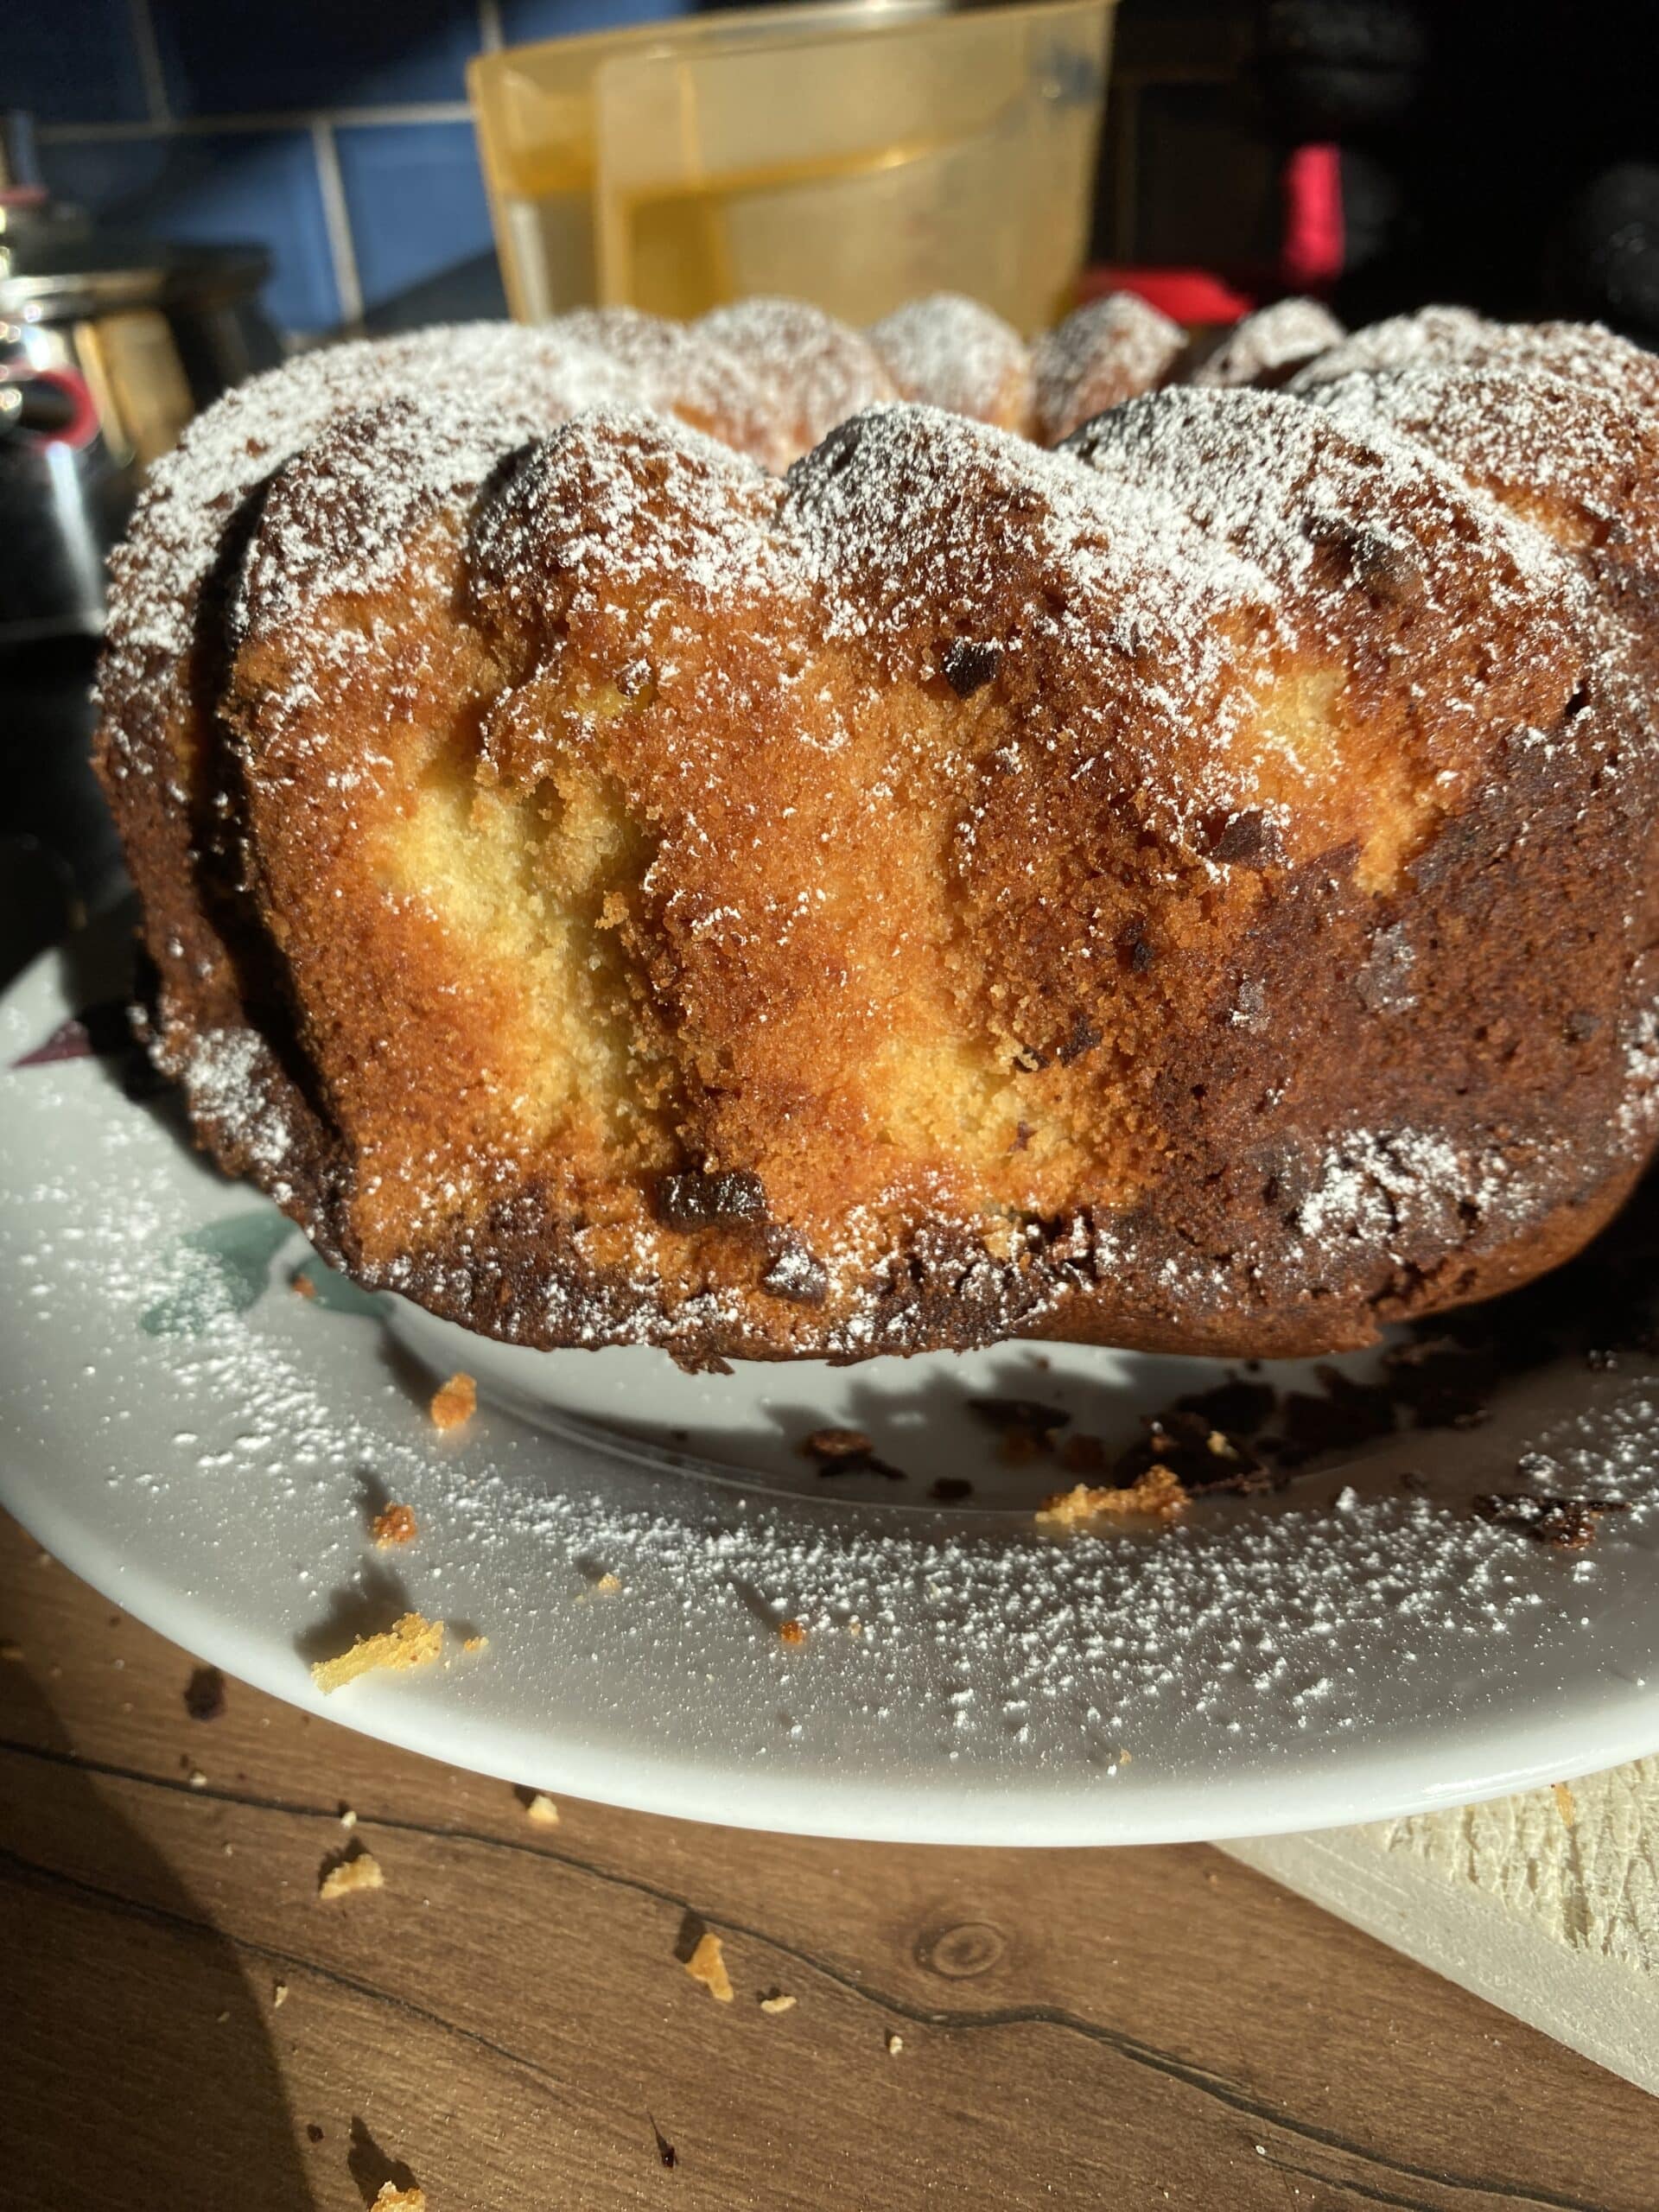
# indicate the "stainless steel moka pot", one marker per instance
pixel 109 343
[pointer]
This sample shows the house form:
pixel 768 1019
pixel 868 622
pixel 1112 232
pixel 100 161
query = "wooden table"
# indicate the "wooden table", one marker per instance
pixel 507 2022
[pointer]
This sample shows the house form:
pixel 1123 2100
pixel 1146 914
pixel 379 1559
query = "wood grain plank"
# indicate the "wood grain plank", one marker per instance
pixel 508 2019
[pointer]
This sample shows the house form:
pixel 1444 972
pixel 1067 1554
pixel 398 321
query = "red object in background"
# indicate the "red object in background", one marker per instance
pixel 1312 256
pixel 51 407
pixel 1188 295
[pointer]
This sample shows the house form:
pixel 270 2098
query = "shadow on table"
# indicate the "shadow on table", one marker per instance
pixel 139 2068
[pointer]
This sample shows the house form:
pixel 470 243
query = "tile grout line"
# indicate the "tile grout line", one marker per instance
pixel 197 126
pixel 337 215
pixel 149 63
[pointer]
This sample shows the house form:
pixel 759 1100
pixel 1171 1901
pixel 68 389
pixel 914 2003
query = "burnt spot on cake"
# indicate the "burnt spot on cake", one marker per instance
pixel 834 454
pixel 968 665
pixel 1242 838
pixel 1384 984
pixel 1081 1038
pixel 1134 948
pixel 1378 560
pixel 693 1198
pixel 796 1273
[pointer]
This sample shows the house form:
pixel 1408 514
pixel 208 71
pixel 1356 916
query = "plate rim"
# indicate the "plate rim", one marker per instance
pixel 1022 1809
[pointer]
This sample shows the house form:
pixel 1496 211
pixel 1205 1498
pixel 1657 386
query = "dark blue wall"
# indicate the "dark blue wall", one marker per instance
pixel 335 132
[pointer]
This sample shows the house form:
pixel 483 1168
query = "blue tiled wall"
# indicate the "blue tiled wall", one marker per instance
pixel 334 132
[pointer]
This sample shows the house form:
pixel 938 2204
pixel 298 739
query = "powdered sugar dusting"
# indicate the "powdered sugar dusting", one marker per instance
pixel 820 370
pixel 227 1075
pixel 1103 353
pixel 949 351
pixel 1268 344
pixel 1582 352
pixel 1426 337
pixel 176 535
pixel 683 369
pixel 1259 470
pixel 1389 1187
pixel 1565 451
pixel 889 523
pixel 583 497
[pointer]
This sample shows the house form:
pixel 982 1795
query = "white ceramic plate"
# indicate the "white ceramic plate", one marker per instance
pixel 207 1447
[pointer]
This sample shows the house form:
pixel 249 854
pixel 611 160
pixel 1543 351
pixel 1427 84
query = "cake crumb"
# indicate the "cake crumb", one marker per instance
pixel 540 1810
pixel 707 1964
pixel 361 1871
pixel 195 1779
pixel 1565 1804
pixel 302 1286
pixel 608 1584
pixel 393 2199
pixel 410 1642
pixel 777 2002
pixel 204 1694
pixel 1158 1494
pixel 792 1631
pixel 395 1524
pixel 347 1817
pixel 835 1444
pixel 1565 1523
pixel 279 1993
pixel 895 2045
pixel 475 1644
pixel 454 1405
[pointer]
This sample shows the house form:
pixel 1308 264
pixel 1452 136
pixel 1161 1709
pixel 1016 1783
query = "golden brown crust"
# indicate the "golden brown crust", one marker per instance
pixel 1174 892
pixel 1108 351
pixel 949 351
pixel 816 371
pixel 1266 349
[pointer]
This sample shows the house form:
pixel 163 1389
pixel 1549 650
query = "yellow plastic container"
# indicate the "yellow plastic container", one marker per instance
pixel 852 155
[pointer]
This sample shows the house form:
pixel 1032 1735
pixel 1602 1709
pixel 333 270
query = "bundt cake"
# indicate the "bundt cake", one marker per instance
pixel 952 353
pixel 1192 888
pixel 1267 347
pixel 1112 350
